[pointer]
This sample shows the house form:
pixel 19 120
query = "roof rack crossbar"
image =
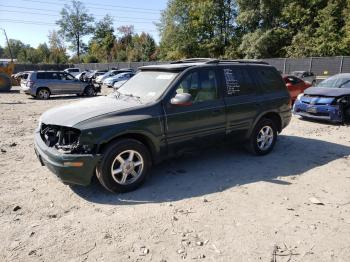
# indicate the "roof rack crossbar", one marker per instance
pixel 195 60
pixel 245 61
pixel 217 61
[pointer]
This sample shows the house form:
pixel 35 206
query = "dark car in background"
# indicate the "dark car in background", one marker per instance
pixel 163 111
pixel 330 100
pixel 295 86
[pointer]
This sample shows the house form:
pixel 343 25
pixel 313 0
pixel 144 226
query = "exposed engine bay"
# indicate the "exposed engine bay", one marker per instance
pixel 64 139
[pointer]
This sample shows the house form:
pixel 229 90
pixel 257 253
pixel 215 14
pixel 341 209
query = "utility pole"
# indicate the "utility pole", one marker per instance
pixel 8 44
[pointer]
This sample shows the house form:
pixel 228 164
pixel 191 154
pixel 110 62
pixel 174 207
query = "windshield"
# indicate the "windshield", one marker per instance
pixel 336 82
pixel 147 86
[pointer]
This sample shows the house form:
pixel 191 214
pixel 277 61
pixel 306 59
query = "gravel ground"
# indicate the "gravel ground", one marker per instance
pixel 219 205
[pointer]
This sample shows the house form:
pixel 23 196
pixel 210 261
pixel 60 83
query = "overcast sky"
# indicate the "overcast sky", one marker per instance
pixel 31 20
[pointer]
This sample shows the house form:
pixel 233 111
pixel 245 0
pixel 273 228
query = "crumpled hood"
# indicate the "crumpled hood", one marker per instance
pixel 322 91
pixel 74 113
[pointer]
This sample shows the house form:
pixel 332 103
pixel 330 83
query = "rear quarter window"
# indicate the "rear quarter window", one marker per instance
pixel 46 75
pixel 269 79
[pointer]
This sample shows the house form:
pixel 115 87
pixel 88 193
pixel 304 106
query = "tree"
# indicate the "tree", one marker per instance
pixel 1 51
pixel 103 39
pixel 43 52
pixel 75 23
pixel 16 47
pixel 196 28
pixel 143 48
pixel 57 49
pixel 346 29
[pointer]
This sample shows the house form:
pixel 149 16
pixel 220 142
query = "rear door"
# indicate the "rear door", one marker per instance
pixel 202 122
pixel 243 99
pixel 50 80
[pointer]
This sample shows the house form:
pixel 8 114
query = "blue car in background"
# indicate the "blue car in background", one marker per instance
pixel 329 100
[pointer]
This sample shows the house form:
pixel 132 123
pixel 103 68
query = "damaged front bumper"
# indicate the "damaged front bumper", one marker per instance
pixel 326 112
pixel 70 168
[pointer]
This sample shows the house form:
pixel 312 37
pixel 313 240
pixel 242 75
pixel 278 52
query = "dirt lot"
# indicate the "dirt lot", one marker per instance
pixel 219 205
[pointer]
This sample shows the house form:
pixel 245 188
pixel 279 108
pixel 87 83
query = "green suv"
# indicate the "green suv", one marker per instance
pixel 163 111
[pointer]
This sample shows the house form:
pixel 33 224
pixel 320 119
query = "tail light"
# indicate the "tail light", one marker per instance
pixel 30 83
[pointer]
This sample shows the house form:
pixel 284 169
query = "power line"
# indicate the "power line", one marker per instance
pixel 116 18
pixel 94 6
pixel 30 22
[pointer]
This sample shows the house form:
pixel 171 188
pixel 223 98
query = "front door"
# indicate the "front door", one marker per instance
pixel 69 85
pixel 204 120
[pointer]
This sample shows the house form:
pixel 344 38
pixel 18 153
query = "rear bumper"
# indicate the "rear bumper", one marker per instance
pixel 57 163
pixel 330 113
pixel 27 90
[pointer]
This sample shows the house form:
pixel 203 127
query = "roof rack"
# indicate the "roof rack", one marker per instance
pixel 217 61
pixel 245 61
pixel 194 60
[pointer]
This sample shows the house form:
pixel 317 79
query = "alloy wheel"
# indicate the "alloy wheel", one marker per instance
pixel 265 138
pixel 44 94
pixel 127 167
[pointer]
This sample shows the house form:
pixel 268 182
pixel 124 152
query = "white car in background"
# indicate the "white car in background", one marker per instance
pixel 72 71
pixel 305 76
pixel 100 79
pixel 117 85
pixel 110 81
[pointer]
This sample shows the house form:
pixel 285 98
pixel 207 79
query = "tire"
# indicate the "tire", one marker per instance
pixel 89 91
pixel 43 94
pixel 265 131
pixel 128 175
pixel 5 83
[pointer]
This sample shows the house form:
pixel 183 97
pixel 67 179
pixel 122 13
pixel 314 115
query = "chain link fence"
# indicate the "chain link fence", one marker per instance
pixel 321 66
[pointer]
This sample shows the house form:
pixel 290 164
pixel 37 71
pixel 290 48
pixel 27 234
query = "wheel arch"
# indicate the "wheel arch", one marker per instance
pixel 144 139
pixel 42 87
pixel 273 115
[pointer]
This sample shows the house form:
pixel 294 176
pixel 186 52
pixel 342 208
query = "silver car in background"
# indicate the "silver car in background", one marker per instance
pixel 43 84
pixel 109 82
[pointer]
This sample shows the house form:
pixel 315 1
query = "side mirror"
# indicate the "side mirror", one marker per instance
pixel 184 99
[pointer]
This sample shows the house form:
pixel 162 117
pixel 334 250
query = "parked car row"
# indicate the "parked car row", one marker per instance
pixel 43 84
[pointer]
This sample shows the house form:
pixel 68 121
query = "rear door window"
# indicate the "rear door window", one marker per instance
pixel 46 75
pixel 238 81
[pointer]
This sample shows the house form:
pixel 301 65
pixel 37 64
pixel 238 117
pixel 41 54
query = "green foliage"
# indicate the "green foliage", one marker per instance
pixel 196 28
pixel 103 40
pixel 75 23
pixel 255 28
pixel 90 59
pixel 57 49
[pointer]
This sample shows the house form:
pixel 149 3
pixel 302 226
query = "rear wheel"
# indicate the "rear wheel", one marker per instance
pixel 263 137
pixel 43 93
pixel 124 166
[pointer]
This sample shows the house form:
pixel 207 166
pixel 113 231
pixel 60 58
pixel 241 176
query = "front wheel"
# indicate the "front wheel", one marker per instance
pixel 263 137
pixel 124 166
pixel 89 91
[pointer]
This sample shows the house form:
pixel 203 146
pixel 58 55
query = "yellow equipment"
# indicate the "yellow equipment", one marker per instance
pixel 6 70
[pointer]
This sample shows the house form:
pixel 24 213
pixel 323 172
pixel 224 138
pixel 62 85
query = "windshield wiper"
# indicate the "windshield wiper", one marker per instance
pixel 116 94
pixel 131 95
